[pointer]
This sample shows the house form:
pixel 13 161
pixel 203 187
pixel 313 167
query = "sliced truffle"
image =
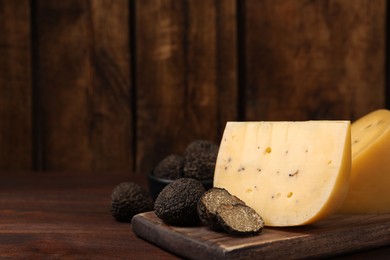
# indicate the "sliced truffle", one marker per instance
pixel 199 159
pixel 129 199
pixel 177 202
pixel 171 167
pixel 211 201
pixel 239 220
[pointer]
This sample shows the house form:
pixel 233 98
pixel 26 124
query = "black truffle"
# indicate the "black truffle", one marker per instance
pixel 210 201
pixel 200 157
pixel 177 202
pixel 239 220
pixel 129 199
pixel 171 167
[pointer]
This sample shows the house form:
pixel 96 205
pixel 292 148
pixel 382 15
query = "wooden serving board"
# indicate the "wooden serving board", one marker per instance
pixel 337 234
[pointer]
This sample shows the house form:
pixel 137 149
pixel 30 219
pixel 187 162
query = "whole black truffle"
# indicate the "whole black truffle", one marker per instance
pixel 129 199
pixel 177 202
pixel 171 167
pixel 200 157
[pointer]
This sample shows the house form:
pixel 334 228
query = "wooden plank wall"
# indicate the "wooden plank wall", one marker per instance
pixel 103 86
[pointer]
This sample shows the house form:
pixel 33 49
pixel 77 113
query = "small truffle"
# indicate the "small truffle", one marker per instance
pixel 211 201
pixel 171 167
pixel 177 202
pixel 239 220
pixel 199 159
pixel 129 199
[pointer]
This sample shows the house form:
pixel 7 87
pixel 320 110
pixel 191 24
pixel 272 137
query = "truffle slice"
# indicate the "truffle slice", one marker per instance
pixel 209 203
pixel 239 219
pixel 177 202
pixel 199 159
pixel 129 199
pixel 171 167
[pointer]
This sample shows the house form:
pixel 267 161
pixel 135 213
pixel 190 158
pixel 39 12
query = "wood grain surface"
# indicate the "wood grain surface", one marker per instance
pixel 66 215
pixel 338 234
pixel 185 63
pixel 16 144
pixel 313 59
pixel 96 85
pixel 83 80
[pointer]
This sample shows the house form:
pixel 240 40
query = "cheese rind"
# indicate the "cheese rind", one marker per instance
pixel 370 175
pixel 291 173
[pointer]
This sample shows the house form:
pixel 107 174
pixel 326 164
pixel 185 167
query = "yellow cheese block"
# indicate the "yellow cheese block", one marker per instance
pixel 370 175
pixel 291 173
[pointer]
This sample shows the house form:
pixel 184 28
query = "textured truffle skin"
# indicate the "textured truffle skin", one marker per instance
pixel 171 167
pixel 199 159
pixel 177 202
pixel 129 199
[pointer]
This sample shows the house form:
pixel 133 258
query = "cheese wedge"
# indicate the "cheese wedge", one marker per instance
pixel 291 173
pixel 370 175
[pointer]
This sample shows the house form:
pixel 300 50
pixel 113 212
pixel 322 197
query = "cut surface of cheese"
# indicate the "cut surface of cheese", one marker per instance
pixel 369 190
pixel 291 173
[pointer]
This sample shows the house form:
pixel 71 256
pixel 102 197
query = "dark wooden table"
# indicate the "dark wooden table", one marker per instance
pixel 66 215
